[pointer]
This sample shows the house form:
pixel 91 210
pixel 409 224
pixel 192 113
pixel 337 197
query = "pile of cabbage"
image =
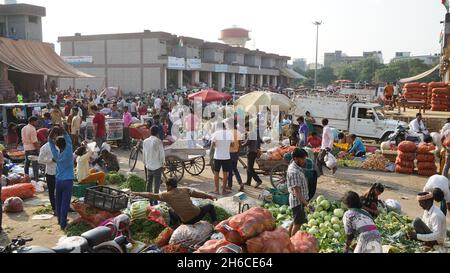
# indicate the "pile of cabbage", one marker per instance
pixel 282 214
pixel 325 223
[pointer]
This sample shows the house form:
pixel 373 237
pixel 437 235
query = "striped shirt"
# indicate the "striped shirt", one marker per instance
pixel 296 178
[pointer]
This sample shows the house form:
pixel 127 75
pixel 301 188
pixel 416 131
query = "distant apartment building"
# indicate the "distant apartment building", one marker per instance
pixel 427 59
pixel 300 64
pixel 149 61
pixel 313 66
pixel 339 58
pixel 21 21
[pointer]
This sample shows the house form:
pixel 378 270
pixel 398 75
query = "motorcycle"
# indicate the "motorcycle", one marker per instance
pixel 97 240
pixel 403 134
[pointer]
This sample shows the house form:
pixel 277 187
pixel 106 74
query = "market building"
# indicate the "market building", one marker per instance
pixel 149 61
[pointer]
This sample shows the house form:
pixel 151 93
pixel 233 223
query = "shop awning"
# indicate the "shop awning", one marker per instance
pixel 291 74
pixel 36 58
pixel 420 76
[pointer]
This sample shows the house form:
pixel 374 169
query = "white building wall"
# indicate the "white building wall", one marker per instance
pixel 152 78
pixel 96 49
pixel 153 49
pixel 129 79
pixel 66 48
pixel 124 51
pixel 94 83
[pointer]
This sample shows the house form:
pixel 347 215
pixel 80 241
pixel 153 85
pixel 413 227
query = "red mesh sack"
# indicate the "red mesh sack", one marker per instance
pixel 304 242
pixel 238 229
pixel 427 172
pixel 426 166
pixel 212 246
pixel 276 241
pixel 91 214
pixel 425 148
pixel 13 205
pixel 407 147
pixel 425 158
pixel 164 237
pixel 155 215
pixel 406 156
pixel 405 164
pixel 437 84
pixel 23 191
pixel 403 170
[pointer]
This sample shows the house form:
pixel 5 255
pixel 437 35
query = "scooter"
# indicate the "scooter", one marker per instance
pixel 97 240
pixel 402 134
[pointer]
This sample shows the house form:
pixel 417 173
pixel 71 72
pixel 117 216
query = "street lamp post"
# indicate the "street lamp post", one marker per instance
pixel 317 24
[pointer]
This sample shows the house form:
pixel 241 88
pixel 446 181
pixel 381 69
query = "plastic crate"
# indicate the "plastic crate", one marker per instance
pixel 279 198
pixel 79 191
pixel 105 198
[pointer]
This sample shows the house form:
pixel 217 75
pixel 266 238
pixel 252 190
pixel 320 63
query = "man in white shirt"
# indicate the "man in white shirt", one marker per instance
pixel 154 158
pixel 221 141
pixel 133 108
pixel 46 158
pixel 418 127
pixel 446 127
pixel 439 186
pixel 396 93
pixel 157 104
pixel 327 146
pixel 432 228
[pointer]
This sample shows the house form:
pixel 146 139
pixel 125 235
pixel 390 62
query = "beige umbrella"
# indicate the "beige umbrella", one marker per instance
pixel 257 99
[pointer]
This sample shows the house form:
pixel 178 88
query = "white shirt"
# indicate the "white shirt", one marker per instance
pixel 441 182
pixel 396 90
pixel 46 157
pixel 327 138
pixel 437 222
pixel 158 103
pixel 417 126
pixel 154 155
pixel 83 165
pixel 222 140
pixel 133 107
pixel 445 128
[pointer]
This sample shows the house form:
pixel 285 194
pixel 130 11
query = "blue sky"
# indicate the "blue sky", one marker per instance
pixel 282 26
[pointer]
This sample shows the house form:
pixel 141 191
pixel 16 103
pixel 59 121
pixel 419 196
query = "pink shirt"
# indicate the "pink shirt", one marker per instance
pixel 127 119
pixel 327 138
pixel 29 136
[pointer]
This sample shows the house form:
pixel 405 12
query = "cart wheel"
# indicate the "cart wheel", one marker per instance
pixel 174 167
pixel 195 166
pixel 133 158
pixel 278 175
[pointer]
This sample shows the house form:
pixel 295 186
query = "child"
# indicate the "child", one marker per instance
pixel 314 141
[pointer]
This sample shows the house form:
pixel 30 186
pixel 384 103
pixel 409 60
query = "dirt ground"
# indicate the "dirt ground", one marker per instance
pixel 400 187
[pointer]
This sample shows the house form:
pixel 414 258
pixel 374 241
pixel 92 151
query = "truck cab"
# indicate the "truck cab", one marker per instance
pixel 367 120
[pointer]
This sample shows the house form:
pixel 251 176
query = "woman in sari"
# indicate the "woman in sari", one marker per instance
pixel 370 199
pixel 359 225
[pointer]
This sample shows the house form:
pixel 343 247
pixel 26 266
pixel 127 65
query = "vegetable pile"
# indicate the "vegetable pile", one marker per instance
pixel 394 229
pixel 145 231
pixel 43 210
pixel 134 183
pixel 221 214
pixel 346 163
pixel 77 229
pixel 115 178
pixel 280 213
pixel 376 162
pixel 325 223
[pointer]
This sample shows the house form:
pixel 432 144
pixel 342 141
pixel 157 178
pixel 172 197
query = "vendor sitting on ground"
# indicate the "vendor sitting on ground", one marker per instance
pixel 358 149
pixel 107 161
pixel 370 199
pixel 432 228
pixel 183 211
pixel 314 141
pixel 85 175
pixel 345 139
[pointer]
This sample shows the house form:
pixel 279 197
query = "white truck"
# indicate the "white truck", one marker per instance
pixel 359 118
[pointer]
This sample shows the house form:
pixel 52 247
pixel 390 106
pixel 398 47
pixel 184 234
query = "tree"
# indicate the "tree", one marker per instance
pixel 346 72
pixel 326 76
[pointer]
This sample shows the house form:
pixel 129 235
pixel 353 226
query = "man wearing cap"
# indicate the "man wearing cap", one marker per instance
pixel 432 228
pixel 439 186
pixel 298 190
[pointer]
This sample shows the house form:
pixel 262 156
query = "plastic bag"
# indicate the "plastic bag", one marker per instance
pixel 138 210
pixel 276 241
pixel 23 191
pixel 38 186
pixel 13 205
pixel 330 161
pixel 393 205
pixel 303 242
pixel 239 228
pixel 191 235
pixel 212 246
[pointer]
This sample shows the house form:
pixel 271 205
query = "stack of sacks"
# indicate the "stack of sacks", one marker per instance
pixel 426 163
pixel 405 159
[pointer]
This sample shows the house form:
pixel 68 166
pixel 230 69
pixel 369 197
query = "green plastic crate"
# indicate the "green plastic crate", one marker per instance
pixel 80 190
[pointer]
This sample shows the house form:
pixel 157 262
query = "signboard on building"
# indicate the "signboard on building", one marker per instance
pixel 193 64
pixel 76 60
pixel 176 63
pixel 221 68
pixel 243 70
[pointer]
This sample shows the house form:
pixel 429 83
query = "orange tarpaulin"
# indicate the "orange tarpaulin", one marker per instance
pixel 36 58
